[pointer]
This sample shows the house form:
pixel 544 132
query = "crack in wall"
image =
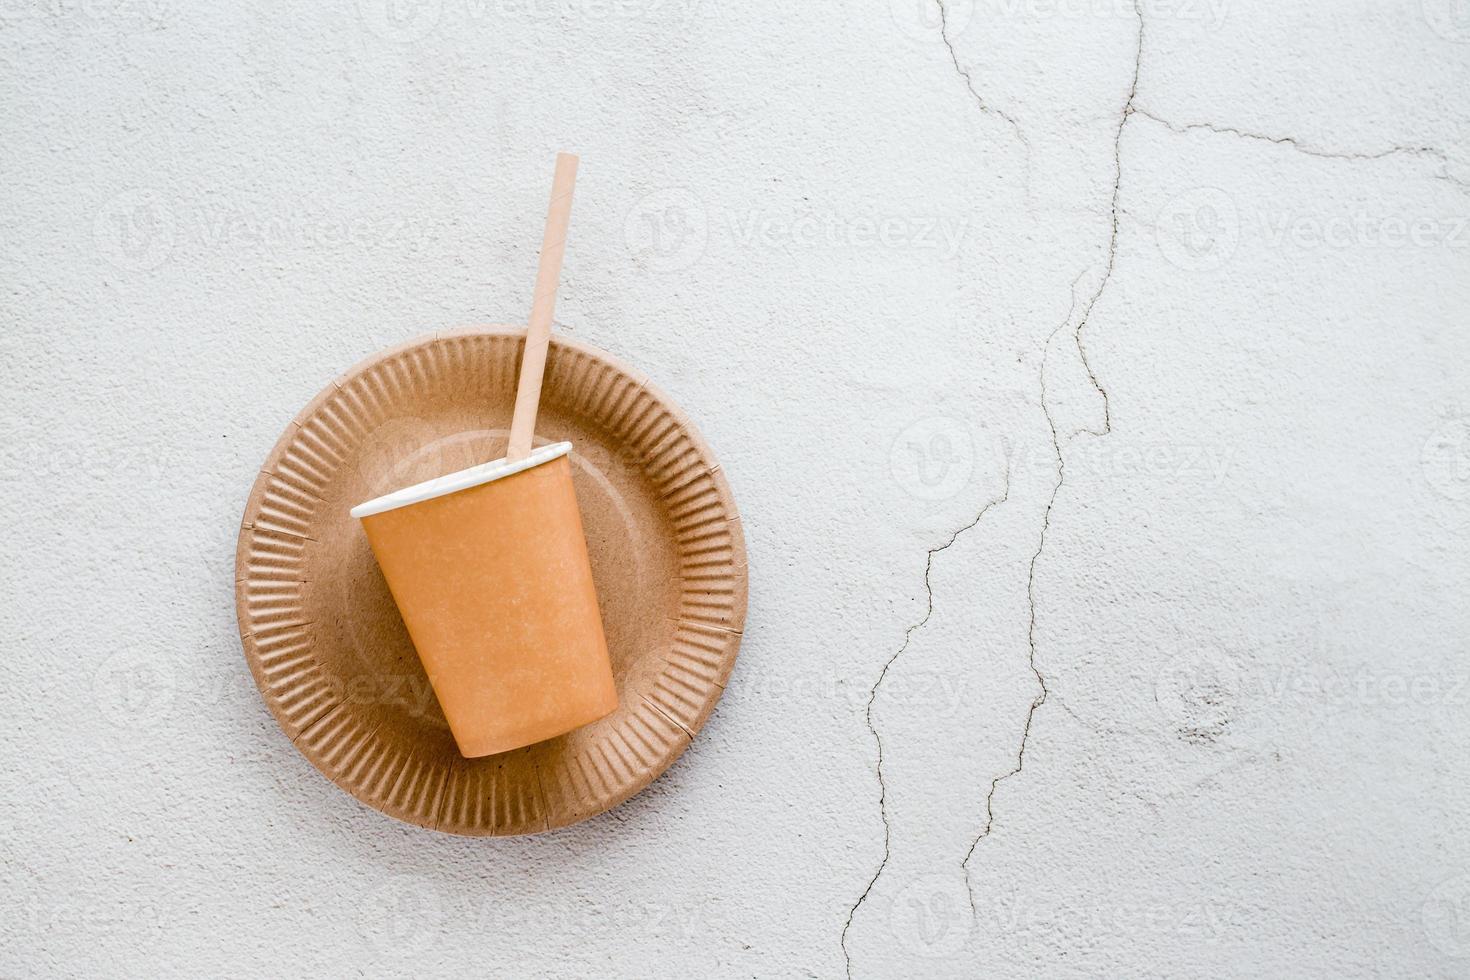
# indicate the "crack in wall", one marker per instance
pixel 1107 275
pixel 1129 109
pixel 1301 146
pixel 878 683
pixel 1040 699
pixel 984 106
pixel 1061 462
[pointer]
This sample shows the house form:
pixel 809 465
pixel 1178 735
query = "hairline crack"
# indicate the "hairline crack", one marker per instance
pixel 878 683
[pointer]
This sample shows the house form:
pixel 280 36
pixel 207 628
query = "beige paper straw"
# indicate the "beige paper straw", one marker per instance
pixel 543 304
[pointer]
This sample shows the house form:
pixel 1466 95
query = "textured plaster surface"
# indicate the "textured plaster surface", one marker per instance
pixel 1092 379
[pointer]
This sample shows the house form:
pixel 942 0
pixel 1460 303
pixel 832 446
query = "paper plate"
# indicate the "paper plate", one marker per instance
pixel 332 658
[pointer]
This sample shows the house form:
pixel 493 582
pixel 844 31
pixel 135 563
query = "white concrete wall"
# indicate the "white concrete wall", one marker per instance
pixel 846 238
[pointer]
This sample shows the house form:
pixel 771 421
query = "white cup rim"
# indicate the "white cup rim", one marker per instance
pixel 459 480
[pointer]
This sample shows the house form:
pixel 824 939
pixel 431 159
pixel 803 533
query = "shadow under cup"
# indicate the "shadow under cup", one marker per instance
pixel 488 567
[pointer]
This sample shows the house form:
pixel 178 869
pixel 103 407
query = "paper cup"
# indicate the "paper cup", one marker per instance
pixel 489 569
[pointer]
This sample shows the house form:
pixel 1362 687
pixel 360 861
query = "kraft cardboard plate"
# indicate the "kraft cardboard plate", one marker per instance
pixel 330 653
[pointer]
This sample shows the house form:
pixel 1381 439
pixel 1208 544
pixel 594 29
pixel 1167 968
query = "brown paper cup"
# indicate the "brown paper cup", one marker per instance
pixel 488 567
